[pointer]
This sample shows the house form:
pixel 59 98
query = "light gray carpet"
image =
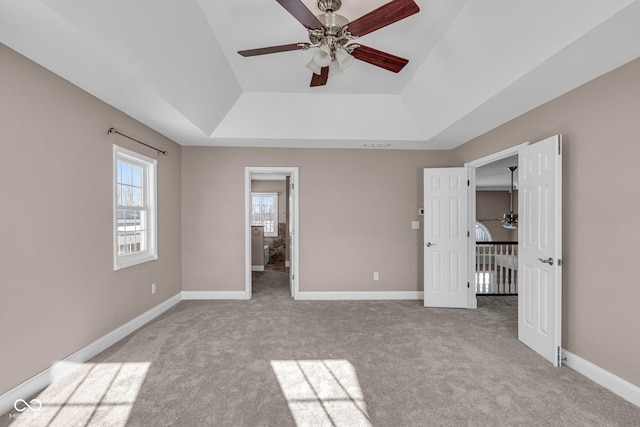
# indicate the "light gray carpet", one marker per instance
pixel 273 361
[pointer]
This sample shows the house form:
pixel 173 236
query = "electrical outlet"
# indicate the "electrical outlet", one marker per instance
pixel 153 288
pixel 376 275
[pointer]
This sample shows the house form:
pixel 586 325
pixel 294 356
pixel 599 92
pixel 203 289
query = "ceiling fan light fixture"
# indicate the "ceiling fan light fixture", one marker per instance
pixel 323 56
pixel 313 66
pixel 334 68
pixel 344 59
pixel 510 221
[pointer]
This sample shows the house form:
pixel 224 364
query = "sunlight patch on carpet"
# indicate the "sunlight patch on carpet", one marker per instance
pixel 92 394
pixel 322 392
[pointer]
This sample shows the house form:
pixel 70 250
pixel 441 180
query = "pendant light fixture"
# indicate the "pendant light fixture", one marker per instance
pixel 510 220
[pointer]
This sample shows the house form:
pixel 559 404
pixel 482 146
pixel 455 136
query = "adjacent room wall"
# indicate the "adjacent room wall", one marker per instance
pixel 492 205
pixel 601 134
pixel 58 289
pixel 356 208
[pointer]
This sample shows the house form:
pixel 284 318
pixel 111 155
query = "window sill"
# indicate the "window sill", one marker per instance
pixel 131 260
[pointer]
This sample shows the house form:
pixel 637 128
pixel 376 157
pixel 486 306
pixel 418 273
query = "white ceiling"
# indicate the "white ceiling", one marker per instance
pixel 173 66
pixel 496 176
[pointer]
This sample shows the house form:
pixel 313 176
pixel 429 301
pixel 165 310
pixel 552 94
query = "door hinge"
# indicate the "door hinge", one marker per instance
pixel 468 234
pixel 468 285
pixel 559 357
pixel 468 183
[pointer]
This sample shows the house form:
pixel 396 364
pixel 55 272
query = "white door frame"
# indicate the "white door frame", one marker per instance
pixel 295 254
pixel 473 301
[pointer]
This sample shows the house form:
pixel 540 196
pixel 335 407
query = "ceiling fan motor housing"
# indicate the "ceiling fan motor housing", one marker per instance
pixel 331 33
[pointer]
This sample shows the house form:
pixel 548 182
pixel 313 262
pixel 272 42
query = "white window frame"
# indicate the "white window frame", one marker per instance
pixel 486 230
pixel 275 213
pixel 150 197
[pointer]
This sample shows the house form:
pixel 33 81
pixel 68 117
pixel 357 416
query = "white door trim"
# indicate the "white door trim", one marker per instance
pixel 497 156
pixel 295 255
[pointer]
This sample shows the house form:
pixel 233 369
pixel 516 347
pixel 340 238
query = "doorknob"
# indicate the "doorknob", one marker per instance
pixel 430 244
pixel 546 261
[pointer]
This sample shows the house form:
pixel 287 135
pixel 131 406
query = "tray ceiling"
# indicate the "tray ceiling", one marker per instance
pixel 173 66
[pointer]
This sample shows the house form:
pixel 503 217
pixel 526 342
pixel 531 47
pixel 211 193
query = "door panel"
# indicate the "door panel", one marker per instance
pixel 290 239
pixel 540 247
pixel 446 241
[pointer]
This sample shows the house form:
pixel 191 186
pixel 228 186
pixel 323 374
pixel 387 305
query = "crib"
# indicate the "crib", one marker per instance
pixel 497 268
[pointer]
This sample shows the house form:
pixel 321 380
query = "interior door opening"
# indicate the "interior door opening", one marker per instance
pixel 496 233
pixel 537 259
pixel 271 225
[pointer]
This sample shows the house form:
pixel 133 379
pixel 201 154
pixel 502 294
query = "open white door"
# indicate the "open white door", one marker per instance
pixel 290 239
pixel 446 237
pixel 540 247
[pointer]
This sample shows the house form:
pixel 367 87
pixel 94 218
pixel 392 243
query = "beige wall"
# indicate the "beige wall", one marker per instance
pixel 356 208
pixel 601 128
pixel 58 289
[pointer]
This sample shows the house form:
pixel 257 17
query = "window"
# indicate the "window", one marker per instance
pixel 134 208
pixel 264 211
pixel 482 233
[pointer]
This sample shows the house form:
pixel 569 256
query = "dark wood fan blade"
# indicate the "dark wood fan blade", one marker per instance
pixel 320 80
pixel 383 16
pixel 301 13
pixel 273 49
pixel 379 58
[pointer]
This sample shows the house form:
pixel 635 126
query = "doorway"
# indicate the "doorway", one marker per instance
pixel 450 252
pixel 482 175
pixel 289 176
pixel 539 249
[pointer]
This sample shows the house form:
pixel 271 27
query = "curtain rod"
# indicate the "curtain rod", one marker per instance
pixel 113 130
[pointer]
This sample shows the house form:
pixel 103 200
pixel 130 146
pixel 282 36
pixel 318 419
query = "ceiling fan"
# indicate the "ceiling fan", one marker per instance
pixel 509 220
pixel 331 34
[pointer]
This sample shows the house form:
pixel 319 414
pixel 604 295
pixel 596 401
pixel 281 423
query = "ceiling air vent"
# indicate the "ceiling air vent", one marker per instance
pixel 376 145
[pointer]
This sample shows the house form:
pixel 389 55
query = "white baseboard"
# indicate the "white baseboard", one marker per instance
pixel 209 295
pixel 257 268
pixel 606 379
pixel 361 295
pixel 42 380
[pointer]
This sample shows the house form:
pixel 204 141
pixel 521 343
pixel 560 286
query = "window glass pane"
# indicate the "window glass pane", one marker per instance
pixel 118 171
pixel 136 176
pixel 119 194
pixel 127 195
pixel 136 196
pixel 482 233
pixel 264 212
pixel 126 174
